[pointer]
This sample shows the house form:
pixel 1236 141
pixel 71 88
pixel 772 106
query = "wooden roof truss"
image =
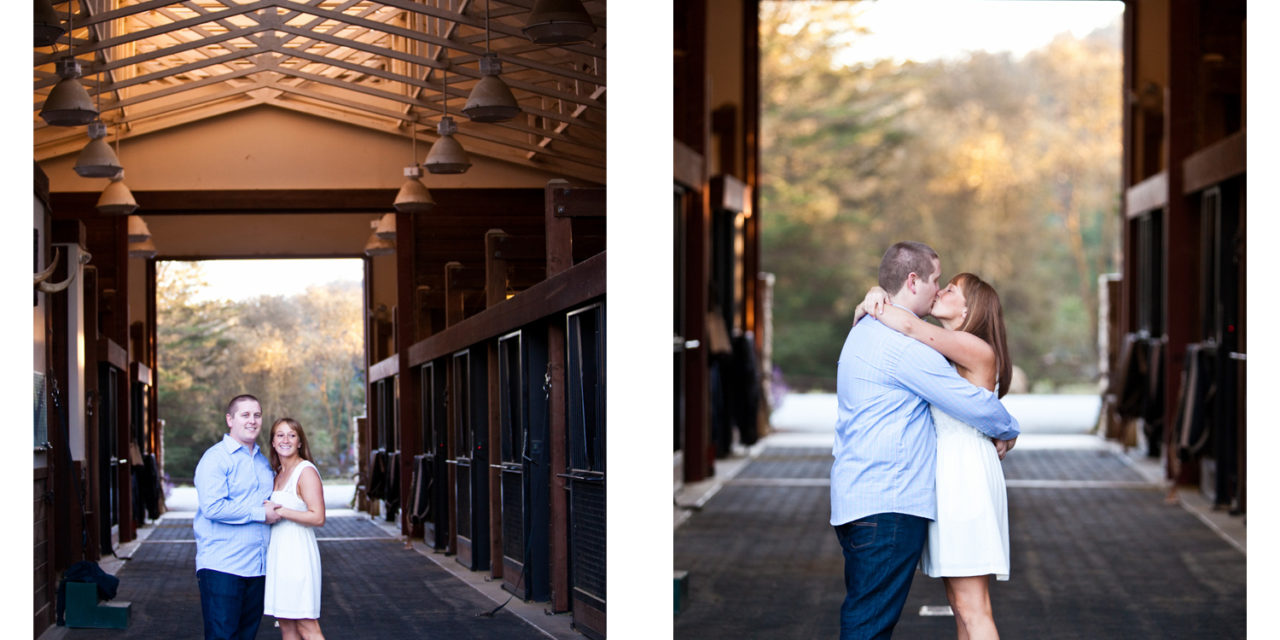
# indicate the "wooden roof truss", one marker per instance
pixel 156 64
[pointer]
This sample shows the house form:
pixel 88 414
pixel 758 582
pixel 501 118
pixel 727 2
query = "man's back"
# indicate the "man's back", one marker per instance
pixel 884 447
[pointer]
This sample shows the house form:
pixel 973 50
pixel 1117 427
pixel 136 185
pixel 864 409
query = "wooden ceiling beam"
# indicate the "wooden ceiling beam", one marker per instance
pixel 447 43
pixel 428 62
pixel 508 146
pixel 159 31
pixel 478 22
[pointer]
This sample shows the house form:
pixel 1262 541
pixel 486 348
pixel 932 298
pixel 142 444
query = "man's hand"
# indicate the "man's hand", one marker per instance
pixel 1003 446
pixel 273 516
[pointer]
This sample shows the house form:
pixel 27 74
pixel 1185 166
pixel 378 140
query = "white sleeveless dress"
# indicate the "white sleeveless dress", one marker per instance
pixel 293 560
pixel 971 535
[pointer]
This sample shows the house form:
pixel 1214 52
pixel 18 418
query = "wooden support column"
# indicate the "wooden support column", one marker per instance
pixel 452 315
pixel 408 398
pixel 453 310
pixel 127 528
pixel 364 437
pixel 92 418
pixel 1182 220
pixel 495 293
pixel 559 258
pixel 699 453
pixel 66 473
pixel 154 435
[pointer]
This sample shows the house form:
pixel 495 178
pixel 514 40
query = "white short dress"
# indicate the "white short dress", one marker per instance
pixel 971 535
pixel 293 560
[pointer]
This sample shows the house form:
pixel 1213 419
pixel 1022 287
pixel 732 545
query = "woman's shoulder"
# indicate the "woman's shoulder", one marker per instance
pixel 307 464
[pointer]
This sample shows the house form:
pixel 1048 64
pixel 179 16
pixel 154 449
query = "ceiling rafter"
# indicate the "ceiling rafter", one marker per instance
pixel 374 63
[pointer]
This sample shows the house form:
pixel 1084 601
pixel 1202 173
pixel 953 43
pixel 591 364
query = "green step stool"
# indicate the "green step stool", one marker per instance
pixel 85 612
pixel 681 583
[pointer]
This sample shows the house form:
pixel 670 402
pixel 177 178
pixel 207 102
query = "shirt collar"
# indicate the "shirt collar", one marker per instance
pixel 231 444
pixel 892 303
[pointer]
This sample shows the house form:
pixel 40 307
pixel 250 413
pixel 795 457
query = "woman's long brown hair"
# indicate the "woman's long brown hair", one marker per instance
pixel 986 320
pixel 304 450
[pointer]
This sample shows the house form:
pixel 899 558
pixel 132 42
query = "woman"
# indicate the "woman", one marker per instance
pixel 293 560
pixel 969 541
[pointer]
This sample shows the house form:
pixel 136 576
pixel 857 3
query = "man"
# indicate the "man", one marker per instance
pixel 233 484
pixel 882 480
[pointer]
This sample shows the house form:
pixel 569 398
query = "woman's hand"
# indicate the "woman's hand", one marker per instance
pixel 875 301
pixel 273 511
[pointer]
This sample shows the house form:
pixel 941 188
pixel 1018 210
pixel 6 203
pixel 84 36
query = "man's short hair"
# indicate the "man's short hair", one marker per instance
pixel 903 259
pixel 231 406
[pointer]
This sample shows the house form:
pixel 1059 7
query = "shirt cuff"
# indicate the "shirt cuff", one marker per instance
pixel 259 514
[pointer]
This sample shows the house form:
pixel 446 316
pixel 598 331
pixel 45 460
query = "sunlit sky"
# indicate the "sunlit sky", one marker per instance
pixel 247 279
pixel 953 27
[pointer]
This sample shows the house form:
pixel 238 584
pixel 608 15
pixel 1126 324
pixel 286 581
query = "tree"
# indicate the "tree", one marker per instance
pixel 1009 167
pixel 301 355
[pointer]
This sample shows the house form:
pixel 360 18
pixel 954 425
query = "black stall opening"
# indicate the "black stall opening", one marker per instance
pixel 431 487
pixel 585 370
pixel 526 506
pixel 469 415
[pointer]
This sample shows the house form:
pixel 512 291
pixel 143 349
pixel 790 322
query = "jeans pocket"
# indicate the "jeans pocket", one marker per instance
pixel 860 534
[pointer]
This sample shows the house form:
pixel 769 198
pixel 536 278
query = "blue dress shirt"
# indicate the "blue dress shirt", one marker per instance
pixel 885 445
pixel 230 524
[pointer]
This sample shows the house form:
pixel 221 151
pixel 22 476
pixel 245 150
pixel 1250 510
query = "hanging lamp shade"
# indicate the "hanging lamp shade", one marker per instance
pixel 116 199
pixel 447 154
pixel 68 104
pixel 378 247
pixel 386 228
pixel 413 196
pixel 48 27
pixel 491 99
pixel 138 230
pixel 97 160
pixel 143 249
pixel 558 22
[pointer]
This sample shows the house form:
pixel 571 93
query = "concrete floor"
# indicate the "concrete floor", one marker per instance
pixel 376 584
pixel 1102 548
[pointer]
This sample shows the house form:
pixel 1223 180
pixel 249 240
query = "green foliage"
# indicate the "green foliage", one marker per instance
pixel 1008 167
pixel 301 355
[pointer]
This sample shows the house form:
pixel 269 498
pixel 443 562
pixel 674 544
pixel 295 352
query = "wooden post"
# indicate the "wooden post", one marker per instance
pixel 495 293
pixel 559 258
pixel 93 416
pixel 699 454
pixel 1181 253
pixel 453 309
pixel 66 473
pixel 452 315
pixel 410 389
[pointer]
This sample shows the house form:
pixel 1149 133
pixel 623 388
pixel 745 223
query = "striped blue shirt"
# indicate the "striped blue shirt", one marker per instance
pixel 885 444
pixel 230 524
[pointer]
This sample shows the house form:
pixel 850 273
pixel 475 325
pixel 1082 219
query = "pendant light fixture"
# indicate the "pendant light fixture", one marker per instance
pixel 48 24
pixel 116 199
pixel 68 104
pixel 138 230
pixel 447 154
pixel 386 228
pixel 145 249
pixel 413 196
pixel 378 246
pixel 97 160
pixel 490 99
pixel 558 22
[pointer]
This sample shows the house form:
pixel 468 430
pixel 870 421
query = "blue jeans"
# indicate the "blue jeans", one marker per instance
pixel 231 604
pixel 880 557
